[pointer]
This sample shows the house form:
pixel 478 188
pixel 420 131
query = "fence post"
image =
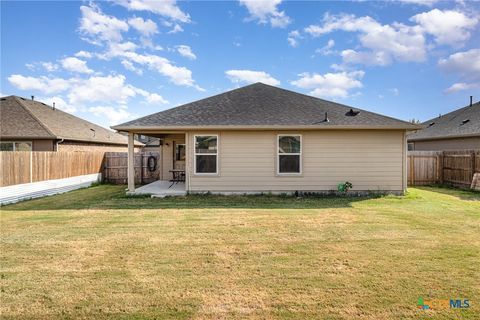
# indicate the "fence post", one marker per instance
pixel 31 166
pixel 440 167
pixel 473 165
pixel 412 171
pixel 141 167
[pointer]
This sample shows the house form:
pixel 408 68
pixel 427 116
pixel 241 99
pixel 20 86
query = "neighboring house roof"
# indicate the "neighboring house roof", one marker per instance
pixel 463 122
pixel 261 105
pixel 23 118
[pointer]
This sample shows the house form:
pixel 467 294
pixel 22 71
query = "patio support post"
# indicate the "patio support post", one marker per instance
pixel 131 164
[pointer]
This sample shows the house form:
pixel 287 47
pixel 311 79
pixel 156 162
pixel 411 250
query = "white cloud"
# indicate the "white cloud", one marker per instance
pixel 107 89
pixel 146 27
pixel 327 49
pixel 382 44
pixel 466 65
pixel 177 75
pixel 98 27
pixel 448 27
pixel 155 98
pixel 114 115
pixel 104 89
pixel 293 37
pixel 60 103
pixel 427 3
pixel 385 43
pixel 176 29
pixel 43 84
pixel 266 11
pixel 83 54
pixel 49 66
pixel 75 65
pixel 379 58
pixel 250 76
pixel 186 51
pixel 129 66
pixel 330 84
pixel 462 86
pixel 164 8
pixel 151 98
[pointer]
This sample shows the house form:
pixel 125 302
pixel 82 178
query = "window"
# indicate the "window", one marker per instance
pixel 16 146
pixel 289 154
pixel 206 154
pixel 410 146
pixel 179 152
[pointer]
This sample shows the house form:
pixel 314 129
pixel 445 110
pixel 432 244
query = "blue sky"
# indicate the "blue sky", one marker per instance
pixel 112 61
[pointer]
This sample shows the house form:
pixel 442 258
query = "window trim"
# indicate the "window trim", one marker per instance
pixel 195 154
pixel 300 154
pixel 13 142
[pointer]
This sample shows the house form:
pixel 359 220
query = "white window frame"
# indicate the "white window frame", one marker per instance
pixel 289 154
pixel 195 154
pixel 19 141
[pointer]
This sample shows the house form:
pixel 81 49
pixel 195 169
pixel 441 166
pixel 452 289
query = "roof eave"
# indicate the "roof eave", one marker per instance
pixel 266 127
pixel 100 141
pixel 28 138
pixel 468 135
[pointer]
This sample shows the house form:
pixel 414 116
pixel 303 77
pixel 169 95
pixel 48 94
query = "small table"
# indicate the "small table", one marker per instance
pixel 178 175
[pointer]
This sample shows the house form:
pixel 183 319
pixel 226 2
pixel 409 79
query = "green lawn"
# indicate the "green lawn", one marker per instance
pixel 95 254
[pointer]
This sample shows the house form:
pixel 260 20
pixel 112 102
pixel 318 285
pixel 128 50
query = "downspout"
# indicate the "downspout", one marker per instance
pixel 58 142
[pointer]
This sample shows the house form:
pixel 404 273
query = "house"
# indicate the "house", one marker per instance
pixel 28 125
pixel 261 138
pixel 457 130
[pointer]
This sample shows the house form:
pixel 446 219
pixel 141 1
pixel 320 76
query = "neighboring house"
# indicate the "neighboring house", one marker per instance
pixel 28 125
pixel 457 130
pixel 261 138
pixel 150 144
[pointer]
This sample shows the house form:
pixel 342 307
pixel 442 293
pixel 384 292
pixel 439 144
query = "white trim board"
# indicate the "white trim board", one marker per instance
pixel 19 192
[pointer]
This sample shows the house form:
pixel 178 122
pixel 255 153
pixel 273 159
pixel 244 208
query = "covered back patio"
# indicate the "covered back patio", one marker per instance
pixel 172 164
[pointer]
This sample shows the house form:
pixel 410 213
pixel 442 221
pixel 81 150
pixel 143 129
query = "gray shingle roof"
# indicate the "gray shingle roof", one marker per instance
pixel 24 118
pixel 452 124
pixel 263 105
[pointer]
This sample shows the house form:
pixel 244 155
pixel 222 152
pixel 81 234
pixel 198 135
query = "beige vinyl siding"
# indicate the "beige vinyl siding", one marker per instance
pixel 370 159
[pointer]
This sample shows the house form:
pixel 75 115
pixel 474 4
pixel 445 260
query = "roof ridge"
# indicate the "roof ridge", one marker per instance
pixel 19 100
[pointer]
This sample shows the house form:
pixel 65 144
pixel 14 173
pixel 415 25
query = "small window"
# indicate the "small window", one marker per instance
pixel 6 146
pixel 16 146
pixel 289 154
pixel 179 152
pixel 411 146
pixel 206 154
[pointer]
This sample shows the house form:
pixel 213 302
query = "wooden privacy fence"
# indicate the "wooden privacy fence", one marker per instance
pixel 116 163
pixel 442 167
pixel 19 167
